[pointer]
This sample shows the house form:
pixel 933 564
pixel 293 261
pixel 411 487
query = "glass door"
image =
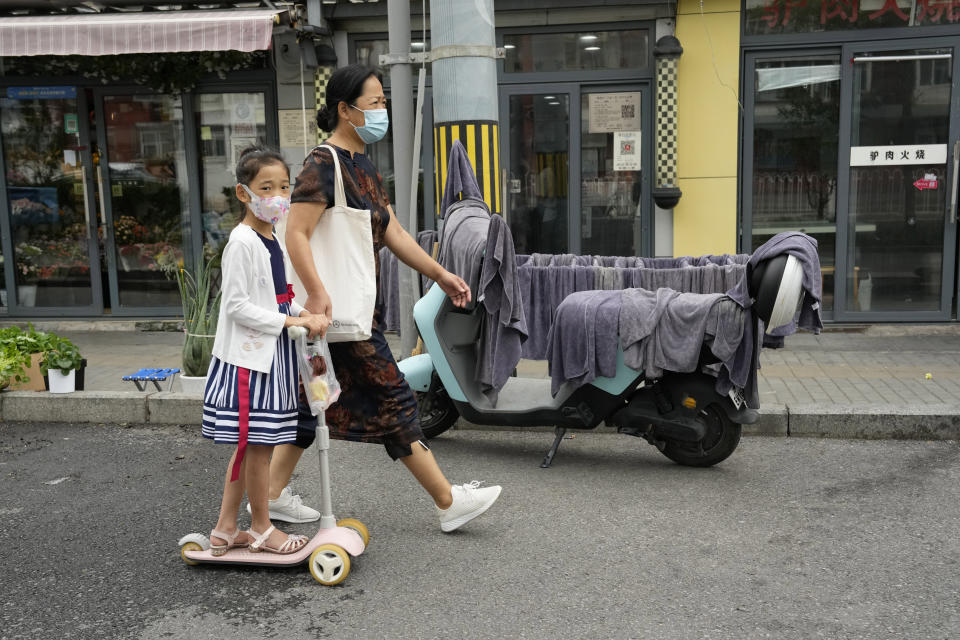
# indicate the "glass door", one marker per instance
pixel 900 237
pixel 791 132
pixel 50 242
pixel 142 184
pixel 537 138
pixel 614 216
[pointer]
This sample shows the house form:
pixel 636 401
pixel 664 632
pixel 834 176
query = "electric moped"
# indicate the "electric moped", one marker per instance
pixel 680 413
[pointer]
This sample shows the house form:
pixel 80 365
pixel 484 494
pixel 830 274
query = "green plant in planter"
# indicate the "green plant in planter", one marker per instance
pixel 26 342
pixel 200 311
pixel 61 355
pixel 13 364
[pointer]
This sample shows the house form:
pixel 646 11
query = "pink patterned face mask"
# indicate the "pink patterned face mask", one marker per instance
pixel 270 210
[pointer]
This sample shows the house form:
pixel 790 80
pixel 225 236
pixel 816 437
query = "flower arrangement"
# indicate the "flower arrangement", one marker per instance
pixel 200 313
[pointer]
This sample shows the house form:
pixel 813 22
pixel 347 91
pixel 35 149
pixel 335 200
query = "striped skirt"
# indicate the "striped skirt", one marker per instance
pixel 270 403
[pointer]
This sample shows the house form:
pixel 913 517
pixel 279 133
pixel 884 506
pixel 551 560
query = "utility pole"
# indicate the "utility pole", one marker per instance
pixel 465 99
pixel 401 99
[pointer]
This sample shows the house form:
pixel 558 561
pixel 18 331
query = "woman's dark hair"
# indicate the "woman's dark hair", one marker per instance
pixel 254 158
pixel 345 85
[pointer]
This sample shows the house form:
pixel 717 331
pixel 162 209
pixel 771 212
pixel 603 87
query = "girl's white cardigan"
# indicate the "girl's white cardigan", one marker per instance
pixel 249 322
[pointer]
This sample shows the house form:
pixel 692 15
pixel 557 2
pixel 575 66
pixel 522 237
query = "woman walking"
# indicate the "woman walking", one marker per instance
pixel 376 403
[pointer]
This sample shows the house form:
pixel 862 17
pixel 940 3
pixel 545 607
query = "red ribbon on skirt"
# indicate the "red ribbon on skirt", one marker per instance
pixel 243 382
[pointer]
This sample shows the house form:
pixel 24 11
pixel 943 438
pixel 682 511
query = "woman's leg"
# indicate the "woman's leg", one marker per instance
pixel 425 469
pixel 230 504
pixel 285 459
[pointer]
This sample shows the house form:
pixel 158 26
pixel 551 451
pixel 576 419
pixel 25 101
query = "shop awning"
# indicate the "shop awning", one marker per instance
pixel 153 32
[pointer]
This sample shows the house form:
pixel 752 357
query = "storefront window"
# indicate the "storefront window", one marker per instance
pixel 227 123
pixel 538 172
pixel 610 185
pixel 762 17
pixel 148 195
pixel 368 52
pixel 796 118
pixel 578 51
pixel 898 175
pixel 46 197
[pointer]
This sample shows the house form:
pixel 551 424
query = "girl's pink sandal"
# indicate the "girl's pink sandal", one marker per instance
pixel 220 549
pixel 292 544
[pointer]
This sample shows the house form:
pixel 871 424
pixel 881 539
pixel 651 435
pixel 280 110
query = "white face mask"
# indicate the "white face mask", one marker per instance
pixel 271 209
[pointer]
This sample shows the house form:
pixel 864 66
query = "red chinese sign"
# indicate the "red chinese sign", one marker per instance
pixel 794 16
pixel 925 184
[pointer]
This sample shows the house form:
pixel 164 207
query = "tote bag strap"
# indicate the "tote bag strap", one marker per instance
pixel 339 196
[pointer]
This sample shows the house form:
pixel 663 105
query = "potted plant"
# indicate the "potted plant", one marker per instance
pixel 30 345
pixel 61 359
pixel 201 307
pixel 13 365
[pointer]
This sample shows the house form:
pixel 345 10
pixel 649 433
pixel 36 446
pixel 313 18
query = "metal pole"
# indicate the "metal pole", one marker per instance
pixel 465 97
pixel 401 98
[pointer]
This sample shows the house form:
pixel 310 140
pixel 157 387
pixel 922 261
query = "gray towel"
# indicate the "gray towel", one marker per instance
pixel 664 330
pixel 461 180
pixel 464 240
pixel 741 371
pixel 583 338
pixel 426 239
pixel 390 289
pixel 505 325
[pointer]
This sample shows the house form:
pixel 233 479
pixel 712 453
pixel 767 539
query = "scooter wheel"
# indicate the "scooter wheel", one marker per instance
pixel 359 527
pixel 722 438
pixel 437 412
pixel 329 564
pixel 190 546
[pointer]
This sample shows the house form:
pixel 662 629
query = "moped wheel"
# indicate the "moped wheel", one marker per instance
pixel 722 438
pixel 437 412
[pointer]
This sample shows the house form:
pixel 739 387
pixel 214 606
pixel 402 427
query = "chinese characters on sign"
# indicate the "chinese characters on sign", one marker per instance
pixel 788 16
pixel 614 112
pixel 626 151
pixel 929 154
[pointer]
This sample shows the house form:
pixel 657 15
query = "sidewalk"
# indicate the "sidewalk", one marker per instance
pixel 865 382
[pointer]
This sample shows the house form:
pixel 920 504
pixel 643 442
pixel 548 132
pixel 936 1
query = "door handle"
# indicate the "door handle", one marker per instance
pixel 86 202
pixel 953 190
pixel 103 206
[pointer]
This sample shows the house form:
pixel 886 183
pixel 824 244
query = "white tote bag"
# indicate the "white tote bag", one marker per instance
pixel 342 248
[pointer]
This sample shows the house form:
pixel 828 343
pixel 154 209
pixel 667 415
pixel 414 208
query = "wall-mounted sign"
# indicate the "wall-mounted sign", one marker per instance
pixel 929 181
pixel 41 93
pixel 626 151
pixel 291 128
pixel 899 154
pixel 614 112
pixel 70 123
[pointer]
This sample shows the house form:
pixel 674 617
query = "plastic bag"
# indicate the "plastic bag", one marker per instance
pixel 316 371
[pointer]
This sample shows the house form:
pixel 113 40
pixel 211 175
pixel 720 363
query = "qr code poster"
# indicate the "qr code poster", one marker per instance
pixel 611 112
pixel 626 151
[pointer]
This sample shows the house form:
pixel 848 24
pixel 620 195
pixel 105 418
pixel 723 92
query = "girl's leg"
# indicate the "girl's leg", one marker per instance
pixel 425 469
pixel 285 459
pixel 230 504
pixel 257 463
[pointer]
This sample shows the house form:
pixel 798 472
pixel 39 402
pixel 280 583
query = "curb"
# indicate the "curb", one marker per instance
pixel 895 422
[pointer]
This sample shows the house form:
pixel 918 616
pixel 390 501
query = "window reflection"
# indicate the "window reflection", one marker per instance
pixel 796 113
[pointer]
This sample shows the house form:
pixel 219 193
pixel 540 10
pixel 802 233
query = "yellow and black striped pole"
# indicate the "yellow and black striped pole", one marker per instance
pixel 465 97
pixel 481 139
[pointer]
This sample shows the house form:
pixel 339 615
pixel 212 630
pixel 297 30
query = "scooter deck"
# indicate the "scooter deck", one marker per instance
pixel 344 537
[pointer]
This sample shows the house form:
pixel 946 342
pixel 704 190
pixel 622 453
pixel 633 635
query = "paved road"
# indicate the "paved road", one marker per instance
pixel 790 538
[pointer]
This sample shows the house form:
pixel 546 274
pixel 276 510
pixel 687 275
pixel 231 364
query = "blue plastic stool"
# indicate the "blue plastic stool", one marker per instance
pixel 156 376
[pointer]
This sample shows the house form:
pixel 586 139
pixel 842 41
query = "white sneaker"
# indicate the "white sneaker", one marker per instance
pixel 469 501
pixel 289 508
